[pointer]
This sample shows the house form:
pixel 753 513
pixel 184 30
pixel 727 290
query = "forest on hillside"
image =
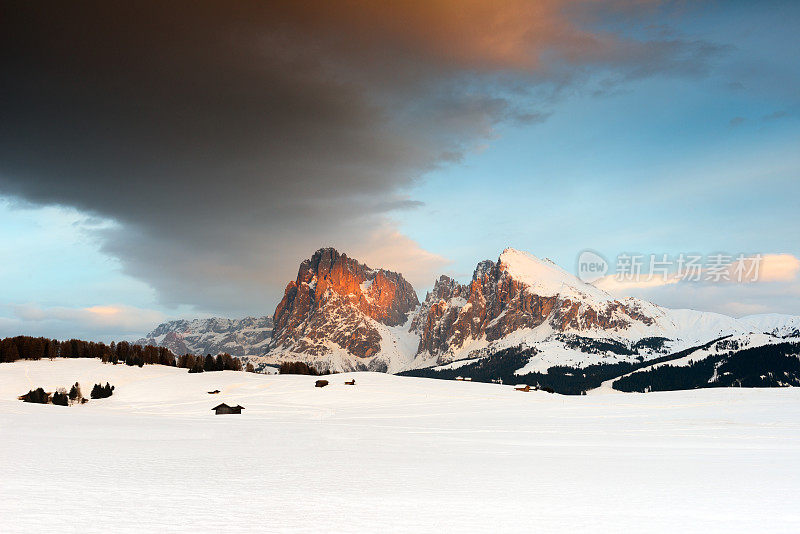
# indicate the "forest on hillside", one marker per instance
pixel 776 365
pixel 40 348
pixel 767 366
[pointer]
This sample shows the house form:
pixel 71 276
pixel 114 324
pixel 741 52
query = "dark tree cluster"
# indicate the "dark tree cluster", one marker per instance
pixel 299 368
pixel 655 344
pixel 37 396
pixel 132 354
pixel 100 391
pixel 775 365
pixel 200 364
pixel 61 397
pixel 595 346
pixel 38 348
pixel 563 379
pixel 603 346
pixel 75 394
pixel 502 366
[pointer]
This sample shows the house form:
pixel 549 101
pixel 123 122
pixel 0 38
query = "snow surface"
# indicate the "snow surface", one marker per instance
pixel 774 323
pixel 391 454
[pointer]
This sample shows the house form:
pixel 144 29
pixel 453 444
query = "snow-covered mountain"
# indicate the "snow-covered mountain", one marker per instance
pixel 238 337
pixel 523 301
pixel 339 315
pixel 775 323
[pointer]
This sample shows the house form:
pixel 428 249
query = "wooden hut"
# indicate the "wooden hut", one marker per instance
pixel 223 409
pixel 320 383
pixel 522 387
pixel 350 382
pixel 213 392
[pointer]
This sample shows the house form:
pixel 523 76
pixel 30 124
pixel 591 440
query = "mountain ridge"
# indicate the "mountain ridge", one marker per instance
pixel 246 337
pixel 340 315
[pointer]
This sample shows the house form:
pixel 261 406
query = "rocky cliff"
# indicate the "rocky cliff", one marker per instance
pixel 517 292
pixel 337 312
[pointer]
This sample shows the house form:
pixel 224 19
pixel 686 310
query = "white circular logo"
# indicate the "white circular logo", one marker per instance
pixel 591 266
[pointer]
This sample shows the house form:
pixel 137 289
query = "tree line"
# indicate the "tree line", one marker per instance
pixel 567 380
pixel 40 348
pixel 775 365
pixel 299 368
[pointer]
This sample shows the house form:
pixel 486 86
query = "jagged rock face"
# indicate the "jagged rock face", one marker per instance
pixel 238 337
pixel 331 303
pixel 496 303
pixel 438 314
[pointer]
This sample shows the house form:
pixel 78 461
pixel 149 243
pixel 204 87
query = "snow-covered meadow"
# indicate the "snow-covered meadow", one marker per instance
pixel 391 454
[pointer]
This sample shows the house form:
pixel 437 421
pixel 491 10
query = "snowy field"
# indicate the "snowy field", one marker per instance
pixel 392 454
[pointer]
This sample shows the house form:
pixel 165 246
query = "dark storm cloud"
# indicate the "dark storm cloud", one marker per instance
pixel 231 139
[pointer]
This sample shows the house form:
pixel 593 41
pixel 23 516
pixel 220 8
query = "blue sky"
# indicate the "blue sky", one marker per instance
pixel 663 165
pixel 659 163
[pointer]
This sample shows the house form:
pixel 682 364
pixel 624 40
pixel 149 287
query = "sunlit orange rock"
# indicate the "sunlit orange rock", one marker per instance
pixel 328 305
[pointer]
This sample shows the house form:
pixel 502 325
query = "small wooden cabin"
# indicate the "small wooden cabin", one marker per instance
pixel 213 392
pixel 320 383
pixel 522 387
pixel 350 382
pixel 223 409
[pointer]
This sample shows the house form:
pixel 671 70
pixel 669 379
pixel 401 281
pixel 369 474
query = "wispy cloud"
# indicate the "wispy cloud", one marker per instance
pixel 109 322
pixel 776 288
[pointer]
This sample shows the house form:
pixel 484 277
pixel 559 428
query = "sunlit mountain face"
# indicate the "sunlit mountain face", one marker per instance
pixel 174 161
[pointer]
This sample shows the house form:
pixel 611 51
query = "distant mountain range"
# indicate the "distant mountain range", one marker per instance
pixel 246 337
pixel 340 315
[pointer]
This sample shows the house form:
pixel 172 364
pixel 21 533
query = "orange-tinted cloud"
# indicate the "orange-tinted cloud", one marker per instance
pixel 512 34
pixel 779 267
pixel 114 319
pixel 230 140
pixel 776 281
pixel 387 248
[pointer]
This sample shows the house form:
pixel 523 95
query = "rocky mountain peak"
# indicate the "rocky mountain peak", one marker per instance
pixel 483 269
pixel 334 303
pixel 544 278
pixel 444 288
pixel 382 295
pixel 519 291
